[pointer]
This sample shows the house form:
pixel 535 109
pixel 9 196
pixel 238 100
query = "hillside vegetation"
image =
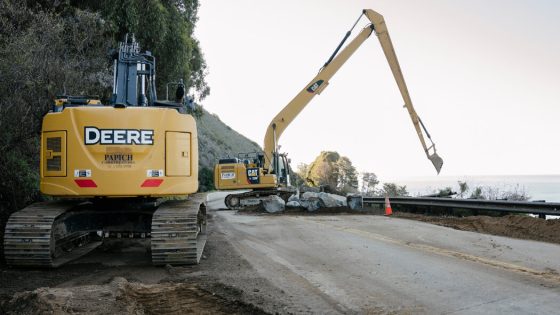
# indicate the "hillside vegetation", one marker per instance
pixel 217 140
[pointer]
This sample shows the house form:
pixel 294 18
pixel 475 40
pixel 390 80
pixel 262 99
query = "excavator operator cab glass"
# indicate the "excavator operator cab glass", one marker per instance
pixel 283 172
pixel 260 159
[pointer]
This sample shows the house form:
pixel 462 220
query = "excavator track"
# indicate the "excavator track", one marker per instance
pixel 235 201
pixel 35 236
pixel 179 231
pixel 50 234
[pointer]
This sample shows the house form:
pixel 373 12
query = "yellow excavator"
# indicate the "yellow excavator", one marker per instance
pixel 110 167
pixel 268 173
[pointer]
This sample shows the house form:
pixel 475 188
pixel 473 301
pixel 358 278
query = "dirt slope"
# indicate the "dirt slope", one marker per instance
pixel 516 226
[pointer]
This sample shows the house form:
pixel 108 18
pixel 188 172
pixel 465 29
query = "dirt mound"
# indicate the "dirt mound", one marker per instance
pixel 80 300
pixel 516 226
pixel 123 297
pixel 177 298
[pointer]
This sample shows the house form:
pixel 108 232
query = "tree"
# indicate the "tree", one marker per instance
pixel 369 182
pixel 347 175
pixel 166 28
pixel 299 175
pixel 322 171
pixel 393 190
pixel 477 193
pixel 463 188
pixel 43 54
pixel 302 169
pixel 334 171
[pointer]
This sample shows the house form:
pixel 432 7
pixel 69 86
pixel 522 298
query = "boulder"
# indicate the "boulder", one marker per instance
pixel 293 204
pixel 331 200
pixel 293 198
pixel 355 202
pixel 312 204
pixel 309 195
pixel 273 204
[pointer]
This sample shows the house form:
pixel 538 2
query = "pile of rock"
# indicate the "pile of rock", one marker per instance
pixel 310 201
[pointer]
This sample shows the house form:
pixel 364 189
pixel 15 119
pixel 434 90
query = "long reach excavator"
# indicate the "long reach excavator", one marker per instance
pixel 109 167
pixel 268 173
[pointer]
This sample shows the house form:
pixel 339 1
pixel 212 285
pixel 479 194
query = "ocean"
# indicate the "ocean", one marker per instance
pixel 537 187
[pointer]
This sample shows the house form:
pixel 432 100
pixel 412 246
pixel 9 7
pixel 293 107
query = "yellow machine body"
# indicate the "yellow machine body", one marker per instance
pixel 105 151
pixel 108 166
pixel 240 175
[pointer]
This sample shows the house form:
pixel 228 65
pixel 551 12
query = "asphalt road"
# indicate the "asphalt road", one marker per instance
pixel 375 264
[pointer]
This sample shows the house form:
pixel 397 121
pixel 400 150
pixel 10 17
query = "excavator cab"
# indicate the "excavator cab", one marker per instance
pixel 283 172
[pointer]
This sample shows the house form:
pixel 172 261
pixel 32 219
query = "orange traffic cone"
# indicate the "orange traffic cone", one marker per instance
pixel 388 210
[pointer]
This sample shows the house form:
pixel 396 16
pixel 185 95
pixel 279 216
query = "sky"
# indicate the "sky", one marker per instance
pixel 484 76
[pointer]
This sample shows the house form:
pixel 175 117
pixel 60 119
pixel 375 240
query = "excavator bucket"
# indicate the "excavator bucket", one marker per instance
pixel 437 161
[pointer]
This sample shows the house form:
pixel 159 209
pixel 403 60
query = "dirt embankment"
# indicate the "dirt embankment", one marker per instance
pixel 516 226
pixel 123 297
pixel 117 279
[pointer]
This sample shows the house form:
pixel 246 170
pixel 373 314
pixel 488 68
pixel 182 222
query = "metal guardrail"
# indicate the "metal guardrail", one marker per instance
pixel 533 207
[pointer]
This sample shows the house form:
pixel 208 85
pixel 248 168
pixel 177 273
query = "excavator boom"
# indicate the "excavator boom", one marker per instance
pixel 320 82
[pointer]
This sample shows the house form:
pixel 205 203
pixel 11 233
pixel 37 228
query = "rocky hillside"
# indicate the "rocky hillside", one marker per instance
pixel 217 140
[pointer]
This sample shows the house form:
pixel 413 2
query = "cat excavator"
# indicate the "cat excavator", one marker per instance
pixel 109 168
pixel 268 173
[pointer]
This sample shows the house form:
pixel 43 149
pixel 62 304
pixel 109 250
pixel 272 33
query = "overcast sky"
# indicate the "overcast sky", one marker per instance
pixel 484 76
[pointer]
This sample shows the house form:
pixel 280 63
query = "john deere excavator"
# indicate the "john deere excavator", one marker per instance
pixel 109 166
pixel 268 173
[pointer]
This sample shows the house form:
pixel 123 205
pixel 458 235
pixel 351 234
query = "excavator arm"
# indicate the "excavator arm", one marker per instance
pixel 320 82
pixel 383 35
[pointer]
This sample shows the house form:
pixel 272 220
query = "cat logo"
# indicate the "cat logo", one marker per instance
pixel 313 87
pixel 253 175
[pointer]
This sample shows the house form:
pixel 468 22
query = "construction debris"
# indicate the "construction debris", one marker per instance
pixel 273 204
pixel 312 201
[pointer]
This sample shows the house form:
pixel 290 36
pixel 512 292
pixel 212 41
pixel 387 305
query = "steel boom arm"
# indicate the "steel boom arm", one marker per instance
pixel 320 82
